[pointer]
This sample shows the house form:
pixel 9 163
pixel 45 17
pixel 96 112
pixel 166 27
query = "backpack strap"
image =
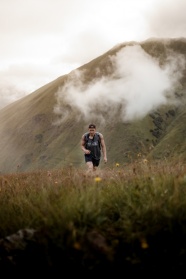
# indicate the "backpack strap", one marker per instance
pixel 86 136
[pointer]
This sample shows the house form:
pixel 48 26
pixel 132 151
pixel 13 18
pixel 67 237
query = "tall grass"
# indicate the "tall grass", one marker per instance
pixel 126 218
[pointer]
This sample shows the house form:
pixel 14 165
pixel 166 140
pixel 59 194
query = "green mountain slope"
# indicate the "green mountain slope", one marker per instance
pixel 33 135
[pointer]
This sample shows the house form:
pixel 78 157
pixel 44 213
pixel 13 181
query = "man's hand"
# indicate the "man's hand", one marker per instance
pixel 105 160
pixel 87 151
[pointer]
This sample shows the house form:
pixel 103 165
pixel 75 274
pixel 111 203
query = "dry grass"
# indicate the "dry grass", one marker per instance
pixel 121 218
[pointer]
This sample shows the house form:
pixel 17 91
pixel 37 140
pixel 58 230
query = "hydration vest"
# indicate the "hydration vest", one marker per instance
pixel 96 137
pixel 94 145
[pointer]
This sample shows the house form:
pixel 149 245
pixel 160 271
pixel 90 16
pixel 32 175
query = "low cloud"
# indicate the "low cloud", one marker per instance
pixel 9 93
pixel 19 80
pixel 137 86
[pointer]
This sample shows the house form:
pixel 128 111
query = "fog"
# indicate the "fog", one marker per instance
pixel 137 86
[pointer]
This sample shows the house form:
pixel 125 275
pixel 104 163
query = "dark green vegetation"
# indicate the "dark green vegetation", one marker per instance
pixel 120 222
pixel 30 140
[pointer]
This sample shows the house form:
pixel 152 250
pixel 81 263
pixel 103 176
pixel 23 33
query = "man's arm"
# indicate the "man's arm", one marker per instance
pixel 103 147
pixel 83 145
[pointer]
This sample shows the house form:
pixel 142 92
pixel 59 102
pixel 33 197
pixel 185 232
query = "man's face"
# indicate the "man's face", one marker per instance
pixel 92 131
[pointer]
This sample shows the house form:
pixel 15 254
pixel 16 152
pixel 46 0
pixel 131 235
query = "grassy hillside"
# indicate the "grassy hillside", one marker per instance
pixel 33 137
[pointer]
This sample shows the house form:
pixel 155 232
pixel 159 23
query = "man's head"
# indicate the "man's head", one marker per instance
pixel 92 128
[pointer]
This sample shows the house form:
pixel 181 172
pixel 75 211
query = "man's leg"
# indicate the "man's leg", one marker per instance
pixel 90 166
pixel 94 168
pixel 95 164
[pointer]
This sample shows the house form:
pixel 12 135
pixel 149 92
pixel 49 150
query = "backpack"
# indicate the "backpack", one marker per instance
pixel 97 134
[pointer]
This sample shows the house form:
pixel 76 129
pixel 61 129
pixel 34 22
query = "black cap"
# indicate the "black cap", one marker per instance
pixel 92 126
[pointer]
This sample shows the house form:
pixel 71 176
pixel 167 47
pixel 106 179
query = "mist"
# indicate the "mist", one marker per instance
pixel 9 93
pixel 137 86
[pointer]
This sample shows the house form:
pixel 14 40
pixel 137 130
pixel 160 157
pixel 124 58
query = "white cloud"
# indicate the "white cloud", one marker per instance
pixel 137 86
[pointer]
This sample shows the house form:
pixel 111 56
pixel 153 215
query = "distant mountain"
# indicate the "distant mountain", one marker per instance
pixel 43 129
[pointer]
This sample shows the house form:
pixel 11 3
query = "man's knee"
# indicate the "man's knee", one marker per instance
pixel 90 165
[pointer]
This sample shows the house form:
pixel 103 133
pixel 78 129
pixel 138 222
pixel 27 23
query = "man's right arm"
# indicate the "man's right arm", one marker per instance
pixel 83 145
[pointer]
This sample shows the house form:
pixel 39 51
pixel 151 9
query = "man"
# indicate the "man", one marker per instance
pixel 92 143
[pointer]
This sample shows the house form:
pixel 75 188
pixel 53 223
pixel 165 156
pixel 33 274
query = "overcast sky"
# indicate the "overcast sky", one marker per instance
pixel 44 39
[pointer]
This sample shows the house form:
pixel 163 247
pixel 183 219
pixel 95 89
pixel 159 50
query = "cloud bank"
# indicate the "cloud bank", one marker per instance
pixel 137 86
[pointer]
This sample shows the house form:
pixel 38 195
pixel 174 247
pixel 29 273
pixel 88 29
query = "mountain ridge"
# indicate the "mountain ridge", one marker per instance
pixel 35 136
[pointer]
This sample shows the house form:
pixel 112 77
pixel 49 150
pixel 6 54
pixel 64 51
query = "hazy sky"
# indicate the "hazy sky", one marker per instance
pixel 44 39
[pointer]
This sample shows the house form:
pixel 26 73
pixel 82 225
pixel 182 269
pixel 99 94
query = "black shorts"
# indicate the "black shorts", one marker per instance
pixel 89 158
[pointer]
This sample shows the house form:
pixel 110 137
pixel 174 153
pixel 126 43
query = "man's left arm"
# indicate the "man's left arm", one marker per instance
pixel 103 146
